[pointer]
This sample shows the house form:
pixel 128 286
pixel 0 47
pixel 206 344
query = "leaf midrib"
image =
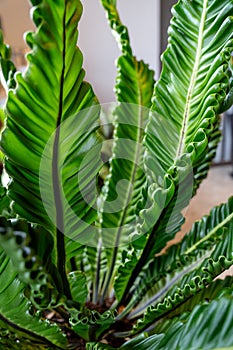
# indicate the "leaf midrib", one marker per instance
pixel 187 109
pixel 60 227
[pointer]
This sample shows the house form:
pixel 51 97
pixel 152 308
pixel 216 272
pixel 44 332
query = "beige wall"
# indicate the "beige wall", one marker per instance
pixel 15 21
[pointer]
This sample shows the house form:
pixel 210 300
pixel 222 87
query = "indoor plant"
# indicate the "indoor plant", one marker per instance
pixel 82 244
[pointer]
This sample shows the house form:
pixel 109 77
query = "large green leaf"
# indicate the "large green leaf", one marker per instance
pixel 194 80
pixel 186 258
pixel 208 326
pixel 193 85
pixel 182 134
pixel 206 295
pixel 48 93
pixel 168 222
pixel 188 267
pixel 17 313
pixel 125 182
pixel 52 117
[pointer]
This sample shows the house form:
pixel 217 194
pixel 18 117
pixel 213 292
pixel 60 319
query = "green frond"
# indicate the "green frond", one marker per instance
pixel 16 312
pixel 50 141
pixel 186 268
pixel 192 88
pixel 195 330
pixel 126 180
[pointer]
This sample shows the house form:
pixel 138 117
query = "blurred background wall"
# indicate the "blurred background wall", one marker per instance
pixel 96 42
pixel 15 21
